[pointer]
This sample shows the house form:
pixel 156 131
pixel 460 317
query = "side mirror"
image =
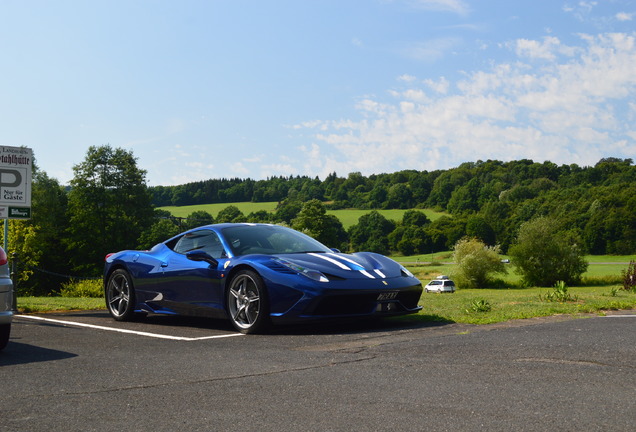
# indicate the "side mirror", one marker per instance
pixel 199 255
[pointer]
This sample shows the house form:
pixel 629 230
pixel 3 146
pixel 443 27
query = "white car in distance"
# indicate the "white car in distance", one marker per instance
pixel 440 284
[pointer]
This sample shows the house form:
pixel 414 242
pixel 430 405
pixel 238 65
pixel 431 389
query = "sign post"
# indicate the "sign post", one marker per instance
pixel 16 169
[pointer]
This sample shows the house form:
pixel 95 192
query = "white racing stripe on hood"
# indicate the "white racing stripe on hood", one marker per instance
pixel 341 265
pixel 367 274
pixel 379 273
pixel 331 260
pixel 347 259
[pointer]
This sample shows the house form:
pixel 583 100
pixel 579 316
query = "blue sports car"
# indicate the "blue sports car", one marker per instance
pixel 255 275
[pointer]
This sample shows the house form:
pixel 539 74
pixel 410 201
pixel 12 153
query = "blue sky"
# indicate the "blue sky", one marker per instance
pixel 261 88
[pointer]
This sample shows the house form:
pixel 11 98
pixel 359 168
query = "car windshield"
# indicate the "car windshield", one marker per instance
pixel 270 240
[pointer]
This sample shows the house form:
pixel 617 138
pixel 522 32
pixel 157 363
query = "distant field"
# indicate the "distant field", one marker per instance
pixel 350 217
pixel 214 209
pixel 347 217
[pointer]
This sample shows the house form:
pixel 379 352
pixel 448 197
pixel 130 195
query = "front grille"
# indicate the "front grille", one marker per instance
pixel 354 304
pixel 361 304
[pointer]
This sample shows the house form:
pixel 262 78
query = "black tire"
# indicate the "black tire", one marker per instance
pixel 5 331
pixel 247 303
pixel 120 296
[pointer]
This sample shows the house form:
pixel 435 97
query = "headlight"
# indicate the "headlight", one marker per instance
pixel 311 274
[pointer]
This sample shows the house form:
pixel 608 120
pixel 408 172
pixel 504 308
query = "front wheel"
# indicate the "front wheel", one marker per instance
pixel 120 296
pixel 247 303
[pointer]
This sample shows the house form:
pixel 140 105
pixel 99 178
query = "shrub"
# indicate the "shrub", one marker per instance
pixel 629 277
pixel 83 288
pixel 560 294
pixel 544 254
pixel 475 263
pixel 479 306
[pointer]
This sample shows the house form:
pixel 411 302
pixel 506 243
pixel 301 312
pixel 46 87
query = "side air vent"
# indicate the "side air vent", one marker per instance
pixel 278 267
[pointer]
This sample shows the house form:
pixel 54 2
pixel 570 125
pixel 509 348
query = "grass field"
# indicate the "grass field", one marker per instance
pixel 348 217
pixel 214 209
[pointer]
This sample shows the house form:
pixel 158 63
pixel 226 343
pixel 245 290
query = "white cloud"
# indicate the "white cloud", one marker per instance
pixel 569 107
pixel 538 50
pixel 407 78
pixel 440 86
pixel 624 16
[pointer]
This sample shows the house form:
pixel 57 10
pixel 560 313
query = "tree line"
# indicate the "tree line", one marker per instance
pixel 485 199
pixel 108 207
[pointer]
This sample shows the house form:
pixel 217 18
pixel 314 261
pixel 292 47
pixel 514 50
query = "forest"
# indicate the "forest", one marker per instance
pixel 486 199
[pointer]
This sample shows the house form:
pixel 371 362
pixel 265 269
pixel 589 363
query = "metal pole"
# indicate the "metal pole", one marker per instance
pixel 14 264
pixel 14 302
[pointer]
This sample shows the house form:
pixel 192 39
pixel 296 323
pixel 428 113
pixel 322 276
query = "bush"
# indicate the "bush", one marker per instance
pixel 475 263
pixel 83 288
pixel 544 254
pixel 629 277
pixel 559 294
pixel 479 306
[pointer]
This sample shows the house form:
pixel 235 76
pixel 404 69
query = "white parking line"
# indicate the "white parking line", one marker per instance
pixel 621 316
pixel 138 333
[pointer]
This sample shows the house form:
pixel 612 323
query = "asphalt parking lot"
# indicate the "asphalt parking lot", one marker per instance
pixel 86 372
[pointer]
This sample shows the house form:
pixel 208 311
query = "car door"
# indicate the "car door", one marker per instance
pixel 194 287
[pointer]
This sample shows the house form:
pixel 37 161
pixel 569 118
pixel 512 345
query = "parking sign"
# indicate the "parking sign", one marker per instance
pixel 15 182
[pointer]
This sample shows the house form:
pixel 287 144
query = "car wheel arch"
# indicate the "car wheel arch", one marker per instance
pixel 233 272
pixel 113 268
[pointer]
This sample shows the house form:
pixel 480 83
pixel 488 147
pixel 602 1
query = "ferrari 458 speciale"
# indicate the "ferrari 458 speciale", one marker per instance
pixel 255 275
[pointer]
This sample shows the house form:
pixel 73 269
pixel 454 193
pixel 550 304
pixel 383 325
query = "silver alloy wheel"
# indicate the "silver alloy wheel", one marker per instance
pixel 244 301
pixel 118 293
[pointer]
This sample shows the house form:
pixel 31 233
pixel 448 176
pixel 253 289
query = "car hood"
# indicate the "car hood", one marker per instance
pixel 363 265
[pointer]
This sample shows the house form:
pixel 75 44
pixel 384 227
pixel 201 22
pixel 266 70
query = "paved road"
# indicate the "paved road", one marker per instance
pixel 84 372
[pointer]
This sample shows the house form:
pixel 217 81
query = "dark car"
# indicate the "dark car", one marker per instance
pixel 6 300
pixel 256 274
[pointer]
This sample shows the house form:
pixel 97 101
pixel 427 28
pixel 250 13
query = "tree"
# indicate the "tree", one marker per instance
pixel 476 226
pixel 544 255
pixel 230 214
pixel 108 207
pixel 475 263
pixel 160 231
pixel 287 210
pixel 371 233
pixel 409 236
pixel 415 218
pixel 314 221
pixel 37 241
pixel 260 216
pixel 198 218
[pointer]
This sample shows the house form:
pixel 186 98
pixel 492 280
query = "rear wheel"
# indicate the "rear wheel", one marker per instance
pixel 120 296
pixel 247 302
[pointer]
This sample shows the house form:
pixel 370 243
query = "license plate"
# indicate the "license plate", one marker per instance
pixel 387 296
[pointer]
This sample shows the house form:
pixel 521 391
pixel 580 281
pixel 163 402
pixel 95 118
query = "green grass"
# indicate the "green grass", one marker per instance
pixel 509 304
pixel 214 209
pixel 610 258
pixel 59 304
pixel 348 217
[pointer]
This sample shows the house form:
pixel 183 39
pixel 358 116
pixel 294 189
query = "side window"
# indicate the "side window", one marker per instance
pixel 206 240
